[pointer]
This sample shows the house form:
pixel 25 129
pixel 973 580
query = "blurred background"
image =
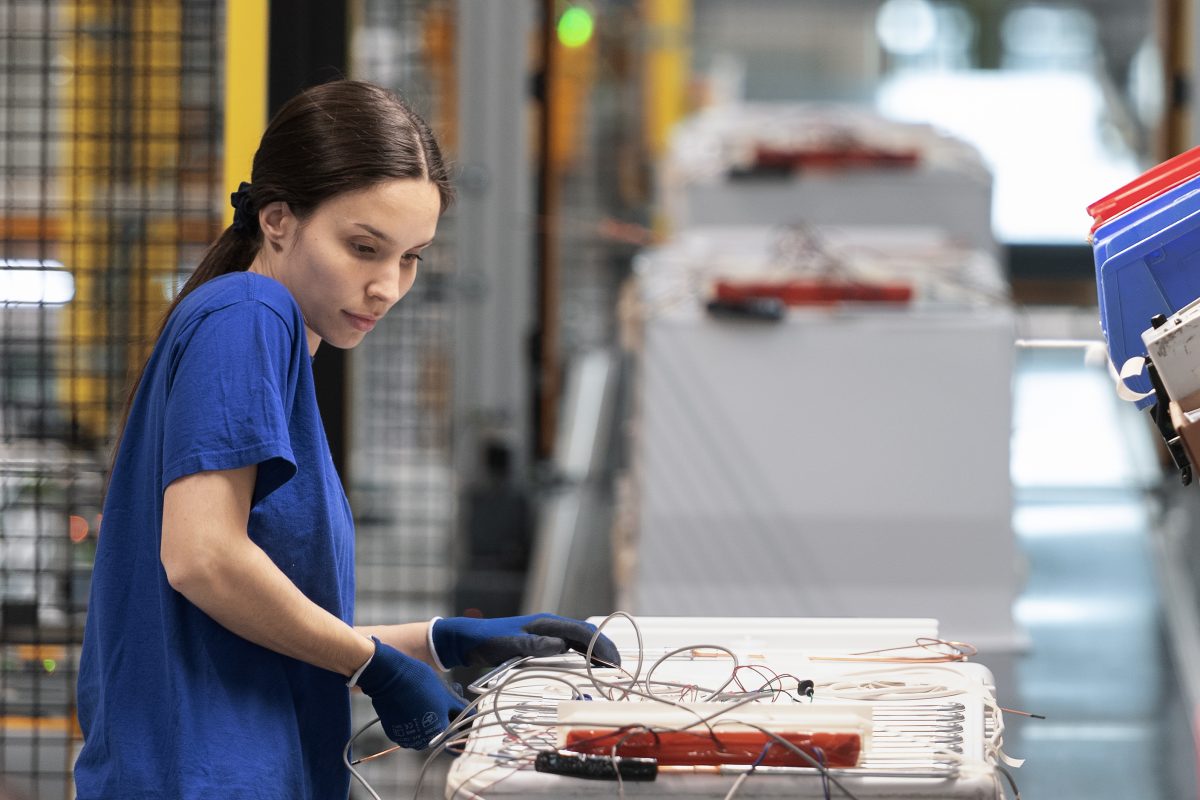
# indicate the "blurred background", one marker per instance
pixel 560 418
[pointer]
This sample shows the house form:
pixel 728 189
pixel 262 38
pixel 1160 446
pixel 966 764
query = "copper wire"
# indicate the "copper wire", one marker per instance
pixel 962 651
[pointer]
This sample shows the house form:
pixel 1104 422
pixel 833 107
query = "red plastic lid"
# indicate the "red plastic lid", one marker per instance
pixel 1147 186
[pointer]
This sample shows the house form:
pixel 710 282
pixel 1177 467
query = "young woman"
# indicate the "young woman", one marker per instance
pixel 219 639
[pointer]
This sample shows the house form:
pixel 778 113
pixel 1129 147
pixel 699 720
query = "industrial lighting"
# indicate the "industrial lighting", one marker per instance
pixel 77 528
pixel 32 281
pixel 906 27
pixel 575 27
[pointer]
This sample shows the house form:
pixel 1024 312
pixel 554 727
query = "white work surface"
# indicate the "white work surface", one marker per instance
pixel 848 461
pixel 904 759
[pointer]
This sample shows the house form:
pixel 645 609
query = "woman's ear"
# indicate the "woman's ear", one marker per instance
pixel 278 225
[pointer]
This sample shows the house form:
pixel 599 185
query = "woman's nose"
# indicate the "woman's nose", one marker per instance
pixel 387 287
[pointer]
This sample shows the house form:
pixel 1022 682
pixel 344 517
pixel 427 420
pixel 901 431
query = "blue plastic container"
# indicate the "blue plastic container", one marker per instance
pixel 1135 225
pixel 1148 262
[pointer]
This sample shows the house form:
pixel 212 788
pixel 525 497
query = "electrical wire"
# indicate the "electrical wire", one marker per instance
pixel 744 776
pixel 587 657
pixel 1011 781
pixel 962 652
pixel 447 741
pixel 461 726
pixel 499 686
pixel 813 762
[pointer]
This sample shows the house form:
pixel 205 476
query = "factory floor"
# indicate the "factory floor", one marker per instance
pixel 1101 662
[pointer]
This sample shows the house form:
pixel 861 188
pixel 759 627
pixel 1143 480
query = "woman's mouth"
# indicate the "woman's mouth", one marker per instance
pixel 362 323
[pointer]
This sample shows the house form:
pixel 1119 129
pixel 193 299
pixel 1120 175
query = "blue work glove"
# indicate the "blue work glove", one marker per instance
pixel 412 702
pixel 459 641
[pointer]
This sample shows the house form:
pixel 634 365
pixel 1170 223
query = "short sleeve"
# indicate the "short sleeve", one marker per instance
pixel 228 397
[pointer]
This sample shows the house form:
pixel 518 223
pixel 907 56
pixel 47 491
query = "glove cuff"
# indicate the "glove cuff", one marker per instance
pixel 447 642
pixel 350 684
pixel 386 666
pixel 437 660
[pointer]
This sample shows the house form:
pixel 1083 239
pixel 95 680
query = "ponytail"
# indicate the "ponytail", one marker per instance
pixel 234 251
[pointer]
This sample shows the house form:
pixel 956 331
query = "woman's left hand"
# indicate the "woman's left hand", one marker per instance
pixel 460 641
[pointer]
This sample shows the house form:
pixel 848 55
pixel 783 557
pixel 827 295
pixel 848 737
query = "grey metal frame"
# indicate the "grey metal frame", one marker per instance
pixel 496 224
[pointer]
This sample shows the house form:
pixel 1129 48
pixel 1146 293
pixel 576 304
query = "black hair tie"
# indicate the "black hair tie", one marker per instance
pixel 244 219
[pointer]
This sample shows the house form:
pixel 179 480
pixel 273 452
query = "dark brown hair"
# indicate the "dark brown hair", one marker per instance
pixel 337 137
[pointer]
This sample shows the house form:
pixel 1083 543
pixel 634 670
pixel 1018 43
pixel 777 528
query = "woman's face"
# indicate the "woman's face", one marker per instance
pixel 353 258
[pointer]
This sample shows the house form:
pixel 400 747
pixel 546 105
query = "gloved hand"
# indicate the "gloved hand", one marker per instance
pixel 412 702
pixel 460 641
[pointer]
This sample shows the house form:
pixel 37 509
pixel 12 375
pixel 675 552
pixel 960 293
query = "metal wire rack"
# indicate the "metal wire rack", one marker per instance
pixel 404 493
pixel 110 125
pixel 402 485
pixel 109 133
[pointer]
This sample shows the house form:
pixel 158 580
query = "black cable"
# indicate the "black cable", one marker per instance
pixel 1011 781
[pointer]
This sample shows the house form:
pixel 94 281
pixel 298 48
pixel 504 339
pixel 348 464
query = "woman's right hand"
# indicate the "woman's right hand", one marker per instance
pixel 412 702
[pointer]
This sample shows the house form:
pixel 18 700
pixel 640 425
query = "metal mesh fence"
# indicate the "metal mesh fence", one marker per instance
pixel 602 220
pixel 109 134
pixel 402 486
pixel 403 489
pixel 604 188
pixel 110 125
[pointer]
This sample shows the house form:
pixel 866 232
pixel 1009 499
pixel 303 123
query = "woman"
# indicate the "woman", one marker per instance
pixel 219 640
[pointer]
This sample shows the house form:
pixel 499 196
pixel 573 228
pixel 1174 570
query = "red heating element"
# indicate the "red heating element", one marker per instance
pixel 705 748
pixel 845 156
pixel 801 292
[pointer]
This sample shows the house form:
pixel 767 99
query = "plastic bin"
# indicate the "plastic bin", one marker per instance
pixel 1138 212
pixel 1159 273
pixel 1121 233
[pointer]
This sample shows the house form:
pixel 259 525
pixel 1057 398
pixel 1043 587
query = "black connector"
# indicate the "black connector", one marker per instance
pixel 596 768
pixel 755 309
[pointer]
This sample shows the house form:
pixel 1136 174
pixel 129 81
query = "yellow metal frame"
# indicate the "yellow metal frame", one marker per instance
pixel 153 120
pixel 12 724
pixel 668 65
pixel 246 52
pixel 146 108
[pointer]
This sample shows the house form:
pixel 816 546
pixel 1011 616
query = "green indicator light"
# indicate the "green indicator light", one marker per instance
pixel 575 27
pixel 49 664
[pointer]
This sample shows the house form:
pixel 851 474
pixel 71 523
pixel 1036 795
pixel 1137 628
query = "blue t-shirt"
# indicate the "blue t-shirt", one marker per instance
pixel 172 704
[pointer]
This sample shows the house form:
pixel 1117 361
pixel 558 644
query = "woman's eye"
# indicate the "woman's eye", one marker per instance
pixel 362 249
pixel 413 258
